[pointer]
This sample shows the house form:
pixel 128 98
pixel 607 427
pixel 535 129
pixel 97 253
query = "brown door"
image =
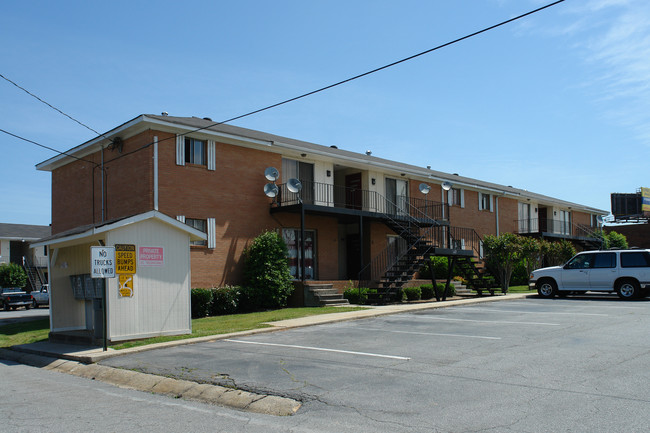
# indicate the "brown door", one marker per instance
pixel 543 222
pixel 353 192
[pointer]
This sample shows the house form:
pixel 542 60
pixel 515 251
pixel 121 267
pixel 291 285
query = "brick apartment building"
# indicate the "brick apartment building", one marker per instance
pixel 360 211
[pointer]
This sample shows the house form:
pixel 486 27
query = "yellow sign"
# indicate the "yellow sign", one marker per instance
pixel 125 259
pixel 645 194
pixel 126 286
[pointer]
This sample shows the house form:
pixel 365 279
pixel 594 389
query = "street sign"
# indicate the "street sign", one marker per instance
pixel 126 285
pixel 125 258
pixel 102 262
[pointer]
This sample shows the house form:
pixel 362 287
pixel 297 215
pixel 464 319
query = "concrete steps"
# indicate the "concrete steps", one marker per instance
pixel 321 295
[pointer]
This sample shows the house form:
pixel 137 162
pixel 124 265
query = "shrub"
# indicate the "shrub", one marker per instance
pixel 201 300
pixel 427 291
pixel 251 299
pixel 225 300
pixel 266 271
pixel 356 295
pixel 12 275
pixel 440 267
pixel 452 289
pixel 413 293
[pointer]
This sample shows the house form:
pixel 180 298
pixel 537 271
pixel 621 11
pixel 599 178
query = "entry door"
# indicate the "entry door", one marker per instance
pixel 353 193
pixel 397 196
pixel 543 224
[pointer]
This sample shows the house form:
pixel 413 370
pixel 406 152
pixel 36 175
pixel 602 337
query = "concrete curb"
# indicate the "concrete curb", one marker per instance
pixel 213 394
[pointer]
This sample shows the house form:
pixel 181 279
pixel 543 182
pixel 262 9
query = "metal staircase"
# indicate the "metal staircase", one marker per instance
pixel 34 274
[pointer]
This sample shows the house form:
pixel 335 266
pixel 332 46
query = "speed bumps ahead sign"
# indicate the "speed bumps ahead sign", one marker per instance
pixel 125 267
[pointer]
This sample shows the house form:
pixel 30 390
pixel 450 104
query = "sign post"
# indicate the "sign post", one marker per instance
pixel 102 265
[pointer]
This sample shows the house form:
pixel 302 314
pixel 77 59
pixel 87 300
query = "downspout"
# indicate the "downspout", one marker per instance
pixel 102 160
pixel 155 172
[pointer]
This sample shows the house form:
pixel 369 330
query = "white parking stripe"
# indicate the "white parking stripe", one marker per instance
pixel 489 321
pixel 479 309
pixel 429 333
pixel 321 349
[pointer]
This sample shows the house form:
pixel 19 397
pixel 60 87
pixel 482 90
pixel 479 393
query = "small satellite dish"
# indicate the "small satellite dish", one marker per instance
pixel 446 186
pixel 271 190
pixel 294 185
pixel 424 188
pixel 599 218
pixel 271 174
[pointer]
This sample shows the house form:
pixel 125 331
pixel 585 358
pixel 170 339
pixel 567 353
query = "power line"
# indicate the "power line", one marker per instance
pixel 356 77
pixel 304 95
pixel 47 147
pixel 52 106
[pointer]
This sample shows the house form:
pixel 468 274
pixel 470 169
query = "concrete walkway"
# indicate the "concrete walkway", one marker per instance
pixel 80 360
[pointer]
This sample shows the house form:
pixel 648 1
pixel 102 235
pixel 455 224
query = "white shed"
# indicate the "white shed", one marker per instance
pixel 150 295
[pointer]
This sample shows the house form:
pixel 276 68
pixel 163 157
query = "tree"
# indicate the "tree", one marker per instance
pixel 500 254
pixel 558 253
pixel 616 240
pixel 531 253
pixel 266 272
pixel 12 275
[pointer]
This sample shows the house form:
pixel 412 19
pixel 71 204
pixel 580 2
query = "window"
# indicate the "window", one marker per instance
pixel 580 262
pixel 565 222
pixel 605 260
pixel 194 151
pixel 292 239
pixel 635 260
pixel 524 218
pixel 484 201
pixel 456 197
pixel 199 225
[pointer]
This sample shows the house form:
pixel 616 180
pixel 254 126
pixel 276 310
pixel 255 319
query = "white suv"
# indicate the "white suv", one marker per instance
pixel 627 272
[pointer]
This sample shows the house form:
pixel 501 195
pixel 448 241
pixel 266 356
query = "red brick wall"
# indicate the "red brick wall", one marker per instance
pixel 77 186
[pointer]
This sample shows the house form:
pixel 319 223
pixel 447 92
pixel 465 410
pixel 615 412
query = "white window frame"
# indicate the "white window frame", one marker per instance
pixel 481 205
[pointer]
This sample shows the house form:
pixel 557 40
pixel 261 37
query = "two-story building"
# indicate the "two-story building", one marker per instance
pixel 360 211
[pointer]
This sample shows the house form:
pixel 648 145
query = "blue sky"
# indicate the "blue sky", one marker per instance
pixel 557 103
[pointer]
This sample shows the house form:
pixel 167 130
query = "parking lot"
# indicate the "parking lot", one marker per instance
pixel 576 364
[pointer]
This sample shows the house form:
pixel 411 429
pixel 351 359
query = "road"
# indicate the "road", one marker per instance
pixel 532 365
pixel 22 315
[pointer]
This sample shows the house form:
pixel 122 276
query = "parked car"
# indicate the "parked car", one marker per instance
pixel 14 297
pixel 41 297
pixel 626 272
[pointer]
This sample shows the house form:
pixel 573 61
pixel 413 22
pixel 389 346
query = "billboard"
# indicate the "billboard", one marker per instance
pixel 645 204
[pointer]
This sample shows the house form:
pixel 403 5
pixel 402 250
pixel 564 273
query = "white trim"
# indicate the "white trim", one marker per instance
pixel 155 172
pixel 462 198
pixel 194 233
pixel 181 218
pixel 212 236
pixel 180 149
pixel 212 155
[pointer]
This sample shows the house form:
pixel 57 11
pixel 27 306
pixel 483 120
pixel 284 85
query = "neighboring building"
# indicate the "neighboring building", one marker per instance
pixel 360 210
pixel 15 247
pixel 637 235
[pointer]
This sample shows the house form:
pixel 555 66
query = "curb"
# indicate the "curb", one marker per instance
pixel 212 394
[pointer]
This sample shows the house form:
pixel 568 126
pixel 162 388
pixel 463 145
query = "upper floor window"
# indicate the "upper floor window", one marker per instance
pixel 195 151
pixel 484 201
pixel 456 197
pixel 199 225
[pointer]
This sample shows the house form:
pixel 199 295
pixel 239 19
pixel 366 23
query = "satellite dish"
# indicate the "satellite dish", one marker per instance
pixel 271 174
pixel 599 218
pixel 294 185
pixel 271 190
pixel 446 186
pixel 424 188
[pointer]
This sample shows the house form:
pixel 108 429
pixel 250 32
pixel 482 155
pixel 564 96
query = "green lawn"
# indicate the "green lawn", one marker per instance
pixel 520 289
pixel 24 332
pixel 37 330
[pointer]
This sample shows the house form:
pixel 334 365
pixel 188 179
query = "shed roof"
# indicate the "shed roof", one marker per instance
pixel 25 232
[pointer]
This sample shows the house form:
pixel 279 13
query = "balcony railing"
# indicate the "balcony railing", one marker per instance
pixel 328 195
pixel 559 227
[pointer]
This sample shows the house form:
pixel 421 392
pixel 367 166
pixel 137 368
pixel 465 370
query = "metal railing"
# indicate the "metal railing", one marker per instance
pixel 336 196
pixel 544 225
pixel 34 274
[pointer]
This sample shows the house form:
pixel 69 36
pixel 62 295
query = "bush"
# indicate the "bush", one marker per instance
pixel 266 271
pixel 358 296
pixel 413 293
pixel 201 300
pixel 427 291
pixel 440 267
pixel 12 275
pixel 520 274
pixel 251 299
pixel 225 300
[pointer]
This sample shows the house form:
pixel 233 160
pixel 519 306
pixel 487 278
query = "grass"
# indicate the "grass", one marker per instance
pixel 520 289
pixel 24 332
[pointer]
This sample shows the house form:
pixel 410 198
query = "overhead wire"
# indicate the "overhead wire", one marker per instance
pixel 304 95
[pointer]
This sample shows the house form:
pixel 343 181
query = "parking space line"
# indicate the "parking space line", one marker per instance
pixel 490 321
pixel 321 349
pixel 479 309
pixel 436 334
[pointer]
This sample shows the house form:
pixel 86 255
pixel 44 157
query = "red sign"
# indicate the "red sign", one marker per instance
pixel 151 256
